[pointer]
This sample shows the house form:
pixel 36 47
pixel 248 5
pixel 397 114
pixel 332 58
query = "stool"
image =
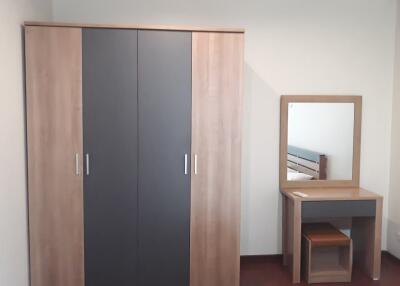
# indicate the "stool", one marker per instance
pixel 327 254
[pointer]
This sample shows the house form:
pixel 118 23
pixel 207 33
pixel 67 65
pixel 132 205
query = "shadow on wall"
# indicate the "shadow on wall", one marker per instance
pixel 261 210
pixel 393 238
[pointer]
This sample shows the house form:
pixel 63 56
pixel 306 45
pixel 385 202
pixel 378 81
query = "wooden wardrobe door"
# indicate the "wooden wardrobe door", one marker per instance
pixel 217 69
pixel 54 137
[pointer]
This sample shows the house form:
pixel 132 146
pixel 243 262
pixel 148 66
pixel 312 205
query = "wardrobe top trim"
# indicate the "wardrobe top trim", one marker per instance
pixel 136 26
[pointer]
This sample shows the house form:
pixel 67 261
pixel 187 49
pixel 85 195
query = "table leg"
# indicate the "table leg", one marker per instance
pixel 296 268
pixel 285 224
pixel 366 234
pixel 291 237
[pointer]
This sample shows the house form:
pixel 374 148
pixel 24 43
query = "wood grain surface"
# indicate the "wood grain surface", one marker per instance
pixel 138 26
pixel 217 68
pixel 54 135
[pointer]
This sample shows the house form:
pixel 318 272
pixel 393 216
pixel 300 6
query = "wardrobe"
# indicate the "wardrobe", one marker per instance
pixel 134 154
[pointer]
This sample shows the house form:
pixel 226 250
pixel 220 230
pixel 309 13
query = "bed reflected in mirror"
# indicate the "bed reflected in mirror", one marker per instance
pixel 320 141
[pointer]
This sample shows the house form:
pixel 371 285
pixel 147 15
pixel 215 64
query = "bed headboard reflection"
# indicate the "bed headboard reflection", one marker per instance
pixel 307 162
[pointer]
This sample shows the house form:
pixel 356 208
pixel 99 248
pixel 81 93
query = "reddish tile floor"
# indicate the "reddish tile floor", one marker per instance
pixel 268 271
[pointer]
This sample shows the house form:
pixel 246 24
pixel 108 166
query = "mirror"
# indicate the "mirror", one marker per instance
pixel 320 140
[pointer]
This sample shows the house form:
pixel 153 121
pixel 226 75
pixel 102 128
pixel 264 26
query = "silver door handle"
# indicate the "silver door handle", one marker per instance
pixel 186 164
pixel 195 164
pixel 87 165
pixel 77 164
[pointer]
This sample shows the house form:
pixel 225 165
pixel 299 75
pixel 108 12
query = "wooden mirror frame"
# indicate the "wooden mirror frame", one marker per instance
pixel 355 181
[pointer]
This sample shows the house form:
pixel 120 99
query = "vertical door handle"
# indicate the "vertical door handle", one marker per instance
pixel 87 164
pixel 77 164
pixel 186 164
pixel 195 164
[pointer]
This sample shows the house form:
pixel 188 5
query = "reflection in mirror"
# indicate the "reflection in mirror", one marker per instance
pixel 320 141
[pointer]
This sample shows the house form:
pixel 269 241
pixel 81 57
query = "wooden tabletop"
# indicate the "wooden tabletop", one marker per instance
pixel 331 194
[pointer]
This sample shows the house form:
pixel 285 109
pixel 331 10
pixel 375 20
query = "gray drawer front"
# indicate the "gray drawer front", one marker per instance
pixel 319 209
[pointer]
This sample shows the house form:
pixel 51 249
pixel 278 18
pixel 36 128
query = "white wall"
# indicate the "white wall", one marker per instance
pixel 292 47
pixel 326 128
pixel 13 223
pixel 394 195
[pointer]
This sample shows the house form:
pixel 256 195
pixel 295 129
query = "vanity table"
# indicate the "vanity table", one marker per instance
pixel 320 159
pixel 363 207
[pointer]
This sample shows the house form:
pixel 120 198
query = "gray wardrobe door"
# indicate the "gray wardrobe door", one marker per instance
pixel 110 140
pixel 164 139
